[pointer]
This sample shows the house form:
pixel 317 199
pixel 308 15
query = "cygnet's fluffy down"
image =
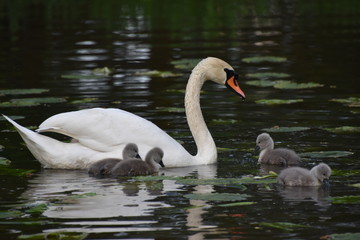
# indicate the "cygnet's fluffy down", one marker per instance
pixel 278 156
pixel 136 167
pixel 296 176
pixel 103 167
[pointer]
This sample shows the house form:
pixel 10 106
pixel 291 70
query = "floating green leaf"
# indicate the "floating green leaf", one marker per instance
pixel 28 102
pixel 285 129
pixel 170 109
pixel 105 71
pixel 343 236
pixel 185 63
pixel 259 59
pixel 23 91
pixel 217 196
pixel 37 209
pixel 79 76
pixel 283 84
pixel 356 184
pixel 351 199
pixel 325 154
pixel 282 225
pixel 351 101
pixel 267 75
pixel 344 129
pixel 236 204
pixel 84 100
pixel 345 173
pixel 10 214
pixel 215 181
pixel 278 101
pixel 261 83
pixel 157 73
pixel 55 235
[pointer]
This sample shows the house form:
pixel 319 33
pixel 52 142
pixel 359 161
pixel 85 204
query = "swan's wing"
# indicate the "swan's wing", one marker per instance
pixel 106 129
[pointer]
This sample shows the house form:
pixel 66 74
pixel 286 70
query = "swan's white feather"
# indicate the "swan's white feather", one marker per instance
pixel 100 133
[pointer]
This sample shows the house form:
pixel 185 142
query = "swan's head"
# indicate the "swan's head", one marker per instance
pixel 221 72
pixel 264 141
pixel 131 151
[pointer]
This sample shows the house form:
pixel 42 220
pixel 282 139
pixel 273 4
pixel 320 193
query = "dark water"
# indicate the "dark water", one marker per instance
pixel 40 41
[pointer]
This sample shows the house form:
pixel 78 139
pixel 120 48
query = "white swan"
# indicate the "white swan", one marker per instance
pixel 103 133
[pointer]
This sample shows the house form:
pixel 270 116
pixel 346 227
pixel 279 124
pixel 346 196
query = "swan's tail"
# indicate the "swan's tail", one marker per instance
pixel 37 144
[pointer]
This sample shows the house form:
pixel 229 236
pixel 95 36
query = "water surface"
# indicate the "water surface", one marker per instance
pixel 43 42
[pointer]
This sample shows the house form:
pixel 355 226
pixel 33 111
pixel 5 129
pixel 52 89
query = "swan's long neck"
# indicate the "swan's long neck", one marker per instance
pixel 206 148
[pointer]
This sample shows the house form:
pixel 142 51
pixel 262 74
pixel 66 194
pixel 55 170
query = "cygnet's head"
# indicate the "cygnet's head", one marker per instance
pixel 131 151
pixel 156 155
pixel 264 141
pixel 322 172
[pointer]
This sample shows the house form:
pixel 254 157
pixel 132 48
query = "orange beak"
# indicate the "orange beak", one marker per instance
pixel 232 83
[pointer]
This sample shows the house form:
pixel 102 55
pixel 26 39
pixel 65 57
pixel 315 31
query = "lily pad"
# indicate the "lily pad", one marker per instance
pixel 23 91
pixel 351 101
pixel 259 59
pixel 285 129
pixel 10 214
pixel 105 71
pixel 344 129
pixel 186 63
pixel 217 196
pixel 267 75
pixel 325 154
pixel 170 109
pixel 215 181
pixel 345 173
pixel 84 100
pixel 261 83
pixel 80 76
pixel 283 84
pixel 157 73
pixel 29 102
pixel 37 209
pixel 236 204
pixel 278 101
pixel 342 236
pixel 283 225
pixel 351 199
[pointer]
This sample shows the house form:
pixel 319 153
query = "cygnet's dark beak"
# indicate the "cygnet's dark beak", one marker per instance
pixel 161 163
pixel 137 156
pixel 326 183
pixel 256 149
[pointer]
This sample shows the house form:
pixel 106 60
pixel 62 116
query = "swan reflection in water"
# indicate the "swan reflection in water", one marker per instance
pixel 72 194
